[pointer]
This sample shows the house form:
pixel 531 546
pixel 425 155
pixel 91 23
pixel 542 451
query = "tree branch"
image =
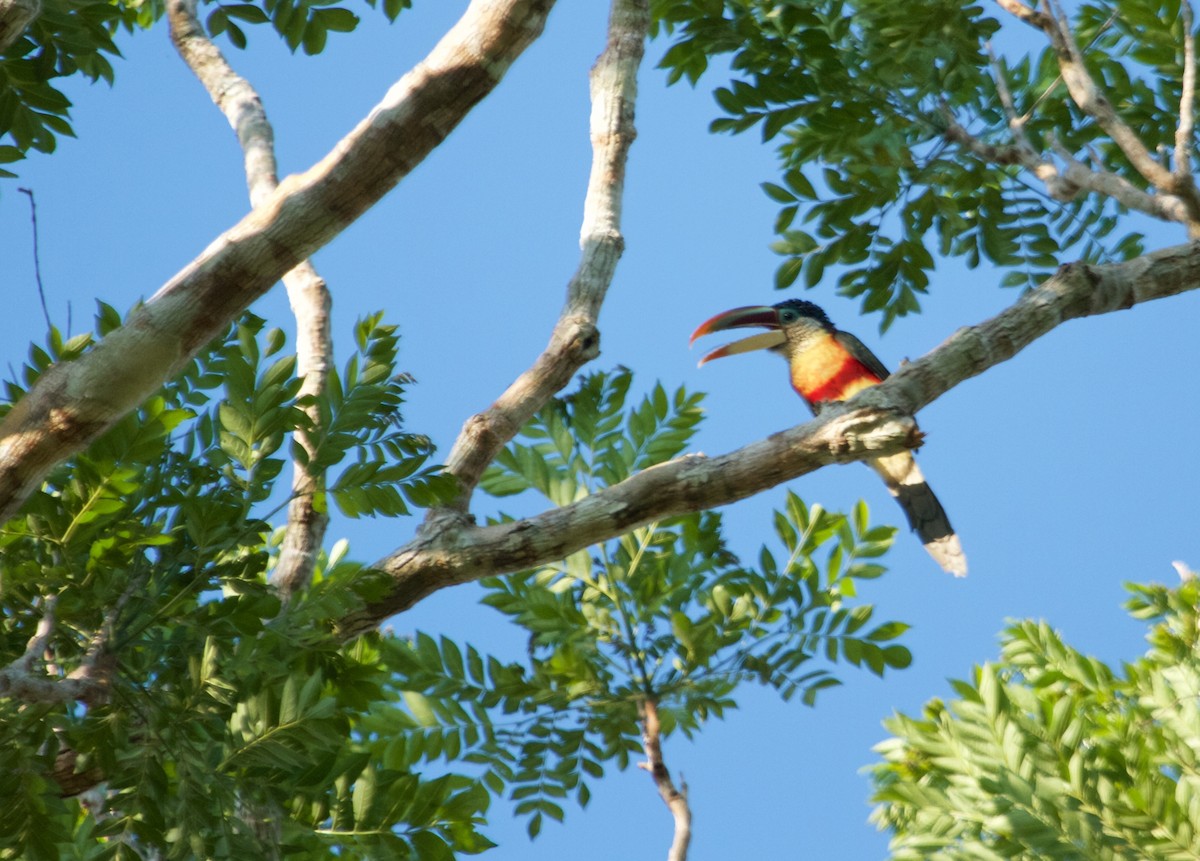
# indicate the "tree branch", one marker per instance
pixel 15 18
pixel 1065 182
pixel 1028 14
pixel 307 291
pixel 19 679
pixel 73 403
pixel 458 552
pixel 875 422
pixel 1021 153
pixel 1187 100
pixel 575 340
pixel 1092 101
pixel 675 799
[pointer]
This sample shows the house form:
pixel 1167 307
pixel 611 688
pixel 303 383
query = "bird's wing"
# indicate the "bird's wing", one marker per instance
pixel 859 350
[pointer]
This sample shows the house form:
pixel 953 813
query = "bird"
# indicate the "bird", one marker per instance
pixel 826 365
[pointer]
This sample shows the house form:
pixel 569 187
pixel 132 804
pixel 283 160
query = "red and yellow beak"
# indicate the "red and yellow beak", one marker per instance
pixel 750 315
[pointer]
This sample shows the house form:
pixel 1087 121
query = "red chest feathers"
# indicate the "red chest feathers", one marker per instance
pixel 827 371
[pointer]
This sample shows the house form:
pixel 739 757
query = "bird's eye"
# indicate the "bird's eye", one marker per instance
pixel 789 315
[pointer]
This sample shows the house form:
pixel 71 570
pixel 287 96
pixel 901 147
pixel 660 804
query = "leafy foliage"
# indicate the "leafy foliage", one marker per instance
pixel 232 726
pixel 150 552
pixel 360 413
pixel 664 613
pixel 860 93
pixel 76 37
pixel 68 37
pixel 1052 754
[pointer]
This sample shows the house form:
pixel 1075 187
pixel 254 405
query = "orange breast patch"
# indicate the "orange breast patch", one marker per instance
pixel 827 371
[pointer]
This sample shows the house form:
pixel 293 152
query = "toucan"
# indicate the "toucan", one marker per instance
pixel 826 365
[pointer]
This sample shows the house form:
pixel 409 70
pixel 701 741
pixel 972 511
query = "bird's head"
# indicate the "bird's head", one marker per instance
pixel 789 325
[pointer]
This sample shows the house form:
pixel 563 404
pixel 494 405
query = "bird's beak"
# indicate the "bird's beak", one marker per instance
pixel 751 315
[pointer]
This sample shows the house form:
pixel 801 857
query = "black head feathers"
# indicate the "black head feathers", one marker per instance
pixel 795 308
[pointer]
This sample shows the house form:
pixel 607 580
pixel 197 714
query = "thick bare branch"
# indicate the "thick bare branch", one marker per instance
pixel 675 799
pixel 307 517
pixel 575 339
pixel 1076 290
pixel 231 93
pixel 15 18
pixel 875 422
pixel 73 404
pixel 307 291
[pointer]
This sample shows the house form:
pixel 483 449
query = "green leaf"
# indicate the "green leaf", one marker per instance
pixel 338 20
pixel 364 795
pixel 314 36
pixel 778 193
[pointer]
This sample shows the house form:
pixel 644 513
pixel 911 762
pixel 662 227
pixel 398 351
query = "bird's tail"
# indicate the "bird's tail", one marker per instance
pixel 925 514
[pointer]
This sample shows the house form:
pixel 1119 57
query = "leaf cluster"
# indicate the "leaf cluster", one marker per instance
pixel 68 37
pixel 666 613
pixel 859 93
pixel 1050 753
pixel 76 37
pixel 219 710
pixel 305 24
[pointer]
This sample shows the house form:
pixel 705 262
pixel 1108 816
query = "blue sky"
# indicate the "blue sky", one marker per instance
pixel 1067 471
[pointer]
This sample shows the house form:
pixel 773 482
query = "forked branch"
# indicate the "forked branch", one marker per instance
pixel 31 679
pixel 307 291
pixel 73 403
pixel 575 338
pixel 1174 194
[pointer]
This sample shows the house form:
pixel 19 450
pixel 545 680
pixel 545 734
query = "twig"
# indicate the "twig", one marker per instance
pixel 1021 153
pixel 37 257
pixel 675 799
pixel 1016 124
